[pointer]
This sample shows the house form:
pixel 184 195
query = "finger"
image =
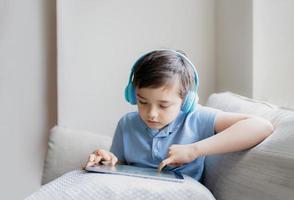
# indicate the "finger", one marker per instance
pixel 91 158
pixel 161 166
pixel 113 159
pixel 164 163
pixel 106 162
pixel 90 164
pixel 97 159
pixel 105 155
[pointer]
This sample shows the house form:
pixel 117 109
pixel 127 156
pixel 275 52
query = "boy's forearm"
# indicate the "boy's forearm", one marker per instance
pixel 242 135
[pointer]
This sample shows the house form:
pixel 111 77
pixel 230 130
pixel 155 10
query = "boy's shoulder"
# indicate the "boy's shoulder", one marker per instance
pixel 129 117
pixel 203 109
pixel 202 112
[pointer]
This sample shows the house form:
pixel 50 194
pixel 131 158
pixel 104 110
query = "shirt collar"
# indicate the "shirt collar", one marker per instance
pixel 168 129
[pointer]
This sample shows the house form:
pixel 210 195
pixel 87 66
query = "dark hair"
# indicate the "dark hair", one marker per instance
pixel 159 68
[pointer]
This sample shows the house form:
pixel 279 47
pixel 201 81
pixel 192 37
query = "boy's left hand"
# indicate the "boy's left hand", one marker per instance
pixel 179 155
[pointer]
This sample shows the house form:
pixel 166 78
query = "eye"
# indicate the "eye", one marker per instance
pixel 163 106
pixel 142 102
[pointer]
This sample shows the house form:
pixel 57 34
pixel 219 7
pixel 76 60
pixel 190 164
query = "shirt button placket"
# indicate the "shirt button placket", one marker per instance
pixel 159 149
pixel 154 148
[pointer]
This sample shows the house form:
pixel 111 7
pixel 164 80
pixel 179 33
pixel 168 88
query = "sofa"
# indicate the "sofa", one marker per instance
pixel 265 171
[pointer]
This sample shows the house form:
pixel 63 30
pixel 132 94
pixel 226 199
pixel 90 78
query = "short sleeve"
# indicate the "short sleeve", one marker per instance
pixel 117 146
pixel 205 122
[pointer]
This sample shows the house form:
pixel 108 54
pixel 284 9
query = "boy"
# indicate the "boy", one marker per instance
pixel 170 130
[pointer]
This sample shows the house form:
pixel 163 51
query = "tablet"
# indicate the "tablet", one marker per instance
pixel 129 170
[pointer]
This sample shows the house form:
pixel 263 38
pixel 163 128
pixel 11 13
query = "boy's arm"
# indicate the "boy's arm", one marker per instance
pixel 235 132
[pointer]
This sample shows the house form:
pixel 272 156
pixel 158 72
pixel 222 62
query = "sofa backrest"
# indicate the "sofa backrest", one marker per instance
pixel 263 172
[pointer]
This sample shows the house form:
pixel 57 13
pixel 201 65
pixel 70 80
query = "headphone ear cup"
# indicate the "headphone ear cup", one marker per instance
pixel 194 104
pixel 127 94
pixel 190 102
pixel 130 95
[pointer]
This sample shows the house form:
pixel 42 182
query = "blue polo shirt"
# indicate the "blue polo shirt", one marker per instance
pixel 137 144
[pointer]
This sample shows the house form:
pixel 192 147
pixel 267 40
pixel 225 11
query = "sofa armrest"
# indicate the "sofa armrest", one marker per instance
pixel 266 171
pixel 69 149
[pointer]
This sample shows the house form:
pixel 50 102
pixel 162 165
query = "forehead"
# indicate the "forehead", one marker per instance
pixel 167 92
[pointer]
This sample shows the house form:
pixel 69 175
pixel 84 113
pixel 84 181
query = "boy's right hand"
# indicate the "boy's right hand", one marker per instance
pixel 101 156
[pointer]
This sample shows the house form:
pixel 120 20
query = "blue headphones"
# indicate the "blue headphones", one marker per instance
pixel 191 99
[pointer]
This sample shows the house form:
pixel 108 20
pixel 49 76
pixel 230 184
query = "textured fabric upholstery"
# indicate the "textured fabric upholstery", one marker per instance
pixel 263 172
pixel 69 149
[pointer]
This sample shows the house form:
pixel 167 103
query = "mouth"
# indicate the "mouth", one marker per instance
pixel 152 122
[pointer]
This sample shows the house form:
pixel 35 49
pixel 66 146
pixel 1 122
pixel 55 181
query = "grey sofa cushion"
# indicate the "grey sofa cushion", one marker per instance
pixel 69 149
pixel 80 185
pixel 263 172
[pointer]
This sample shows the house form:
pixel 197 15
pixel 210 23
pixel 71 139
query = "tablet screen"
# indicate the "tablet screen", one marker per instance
pixel 137 171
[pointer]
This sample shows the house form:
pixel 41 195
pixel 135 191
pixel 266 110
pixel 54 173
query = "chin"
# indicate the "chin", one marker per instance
pixel 155 126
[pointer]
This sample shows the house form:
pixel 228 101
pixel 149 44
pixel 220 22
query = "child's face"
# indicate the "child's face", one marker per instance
pixel 159 106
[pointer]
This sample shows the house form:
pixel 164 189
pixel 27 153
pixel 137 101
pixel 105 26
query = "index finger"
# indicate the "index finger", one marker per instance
pixel 103 154
pixel 164 163
pixel 113 159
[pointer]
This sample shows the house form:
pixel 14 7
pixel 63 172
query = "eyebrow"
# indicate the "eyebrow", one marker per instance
pixel 161 101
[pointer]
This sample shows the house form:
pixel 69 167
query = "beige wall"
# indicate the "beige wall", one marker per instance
pixel 255 49
pixel 234 56
pixel 27 92
pixel 274 51
pixel 100 40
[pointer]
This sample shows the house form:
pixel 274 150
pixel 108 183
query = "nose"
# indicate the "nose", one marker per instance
pixel 152 113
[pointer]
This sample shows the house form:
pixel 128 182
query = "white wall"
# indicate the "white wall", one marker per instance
pixel 274 51
pixel 98 41
pixel 255 49
pixel 234 56
pixel 27 93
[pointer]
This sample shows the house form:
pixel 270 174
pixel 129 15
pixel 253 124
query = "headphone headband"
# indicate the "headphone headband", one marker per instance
pixel 196 77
